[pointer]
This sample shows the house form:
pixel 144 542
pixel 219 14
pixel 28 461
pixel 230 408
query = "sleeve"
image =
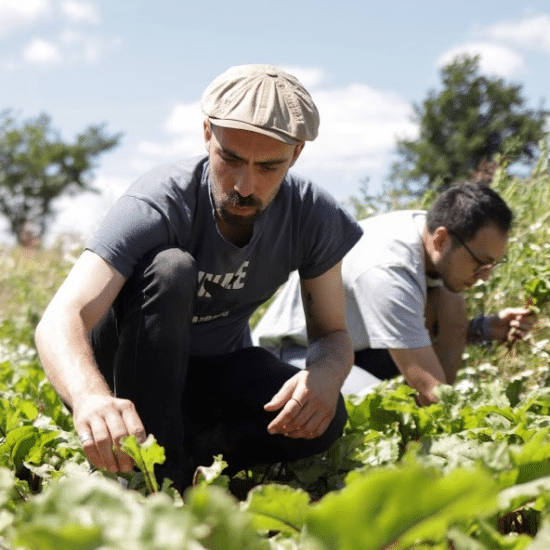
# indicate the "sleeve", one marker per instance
pixel 392 306
pixel 131 228
pixel 329 233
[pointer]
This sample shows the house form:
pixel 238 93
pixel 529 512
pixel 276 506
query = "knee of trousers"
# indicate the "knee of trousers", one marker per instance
pixel 171 271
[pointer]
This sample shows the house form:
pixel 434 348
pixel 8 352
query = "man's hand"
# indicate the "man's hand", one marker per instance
pixel 422 371
pixel 307 402
pixel 101 421
pixel 510 324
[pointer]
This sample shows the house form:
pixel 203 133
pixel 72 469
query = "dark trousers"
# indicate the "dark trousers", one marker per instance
pixel 378 362
pixel 196 407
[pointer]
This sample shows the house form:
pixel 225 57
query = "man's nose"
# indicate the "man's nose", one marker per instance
pixel 484 273
pixel 244 184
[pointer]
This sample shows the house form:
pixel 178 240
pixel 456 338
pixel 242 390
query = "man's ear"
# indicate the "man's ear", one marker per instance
pixel 297 150
pixel 207 131
pixel 440 238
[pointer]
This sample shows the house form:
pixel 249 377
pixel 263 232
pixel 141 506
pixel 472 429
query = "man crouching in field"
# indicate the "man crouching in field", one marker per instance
pixel 149 332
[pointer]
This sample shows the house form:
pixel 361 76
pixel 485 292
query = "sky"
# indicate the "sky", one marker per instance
pixel 140 68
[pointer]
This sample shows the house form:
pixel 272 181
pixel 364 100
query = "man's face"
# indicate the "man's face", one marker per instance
pixel 247 169
pixel 462 263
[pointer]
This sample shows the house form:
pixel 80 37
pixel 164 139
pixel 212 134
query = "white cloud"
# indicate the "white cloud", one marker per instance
pixel 186 117
pixel 359 130
pixel 81 11
pixel 358 125
pixel 81 215
pixel 494 59
pixel 79 46
pixel 70 46
pixel 18 13
pixel 532 33
pixel 184 124
pixel 41 52
pixel 310 78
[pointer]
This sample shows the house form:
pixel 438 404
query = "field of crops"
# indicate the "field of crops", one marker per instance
pixel 470 473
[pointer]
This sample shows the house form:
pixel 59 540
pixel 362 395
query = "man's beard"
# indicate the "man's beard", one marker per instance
pixel 238 200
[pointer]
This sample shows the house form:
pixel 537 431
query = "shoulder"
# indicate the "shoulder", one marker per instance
pixel 178 175
pixel 311 204
pixel 391 243
pixel 303 190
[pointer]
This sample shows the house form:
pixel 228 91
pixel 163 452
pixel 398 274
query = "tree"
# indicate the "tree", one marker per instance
pixel 463 127
pixel 36 167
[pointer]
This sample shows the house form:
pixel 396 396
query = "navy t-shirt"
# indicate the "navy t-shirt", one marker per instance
pixel 303 228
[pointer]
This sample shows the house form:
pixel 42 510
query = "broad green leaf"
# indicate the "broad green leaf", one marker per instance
pixel 17 444
pixel 145 455
pixel 406 503
pixel 278 508
pixel 67 537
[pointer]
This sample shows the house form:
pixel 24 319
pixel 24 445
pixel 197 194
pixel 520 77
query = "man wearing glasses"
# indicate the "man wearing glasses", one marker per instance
pixel 403 280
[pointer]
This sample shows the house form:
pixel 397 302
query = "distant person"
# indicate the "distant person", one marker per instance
pixel 405 313
pixel 149 332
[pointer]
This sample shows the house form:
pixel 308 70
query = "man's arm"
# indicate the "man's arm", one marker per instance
pixel 422 371
pixel 507 324
pixel 309 399
pixel 62 340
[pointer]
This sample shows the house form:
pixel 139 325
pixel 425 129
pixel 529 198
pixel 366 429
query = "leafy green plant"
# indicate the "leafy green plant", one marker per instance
pixel 471 472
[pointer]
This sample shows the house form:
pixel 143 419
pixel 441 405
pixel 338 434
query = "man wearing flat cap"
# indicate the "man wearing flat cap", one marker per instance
pixel 149 332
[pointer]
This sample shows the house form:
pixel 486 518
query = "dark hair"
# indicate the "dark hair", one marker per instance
pixel 465 208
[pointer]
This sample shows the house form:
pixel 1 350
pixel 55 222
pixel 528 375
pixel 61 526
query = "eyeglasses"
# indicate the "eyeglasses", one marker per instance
pixel 482 266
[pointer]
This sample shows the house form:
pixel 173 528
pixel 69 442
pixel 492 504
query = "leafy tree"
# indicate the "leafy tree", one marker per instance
pixel 463 127
pixel 36 167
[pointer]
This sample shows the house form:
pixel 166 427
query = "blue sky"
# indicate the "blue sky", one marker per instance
pixel 141 67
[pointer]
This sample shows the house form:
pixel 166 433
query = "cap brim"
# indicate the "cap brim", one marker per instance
pixel 237 124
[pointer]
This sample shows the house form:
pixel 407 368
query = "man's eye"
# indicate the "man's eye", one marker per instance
pixel 268 168
pixel 231 161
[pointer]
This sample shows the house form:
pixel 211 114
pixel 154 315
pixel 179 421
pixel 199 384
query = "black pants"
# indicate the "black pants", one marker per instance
pixel 378 362
pixel 196 407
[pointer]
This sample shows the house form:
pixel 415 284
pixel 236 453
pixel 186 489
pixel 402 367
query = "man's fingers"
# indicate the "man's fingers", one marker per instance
pixel 101 437
pixel 297 421
pixel 313 427
pixel 280 398
pixel 287 417
pixel 86 437
pixel 101 454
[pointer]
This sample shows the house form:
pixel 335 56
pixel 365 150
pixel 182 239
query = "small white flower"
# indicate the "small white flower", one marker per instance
pixel 465 386
pixel 539 347
pixel 488 368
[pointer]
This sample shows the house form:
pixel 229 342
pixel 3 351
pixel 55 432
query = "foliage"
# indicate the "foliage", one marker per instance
pixel 37 166
pixel 469 473
pixel 473 118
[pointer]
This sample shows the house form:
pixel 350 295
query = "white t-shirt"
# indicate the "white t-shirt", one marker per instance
pixel 385 283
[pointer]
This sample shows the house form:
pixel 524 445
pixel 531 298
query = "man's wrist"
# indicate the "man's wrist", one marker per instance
pixel 478 330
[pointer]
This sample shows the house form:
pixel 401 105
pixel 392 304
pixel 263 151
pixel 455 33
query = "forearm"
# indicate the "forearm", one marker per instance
pixel 333 352
pixel 421 369
pixel 67 358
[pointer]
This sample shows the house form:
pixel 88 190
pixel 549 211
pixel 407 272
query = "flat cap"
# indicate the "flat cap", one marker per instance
pixel 263 99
